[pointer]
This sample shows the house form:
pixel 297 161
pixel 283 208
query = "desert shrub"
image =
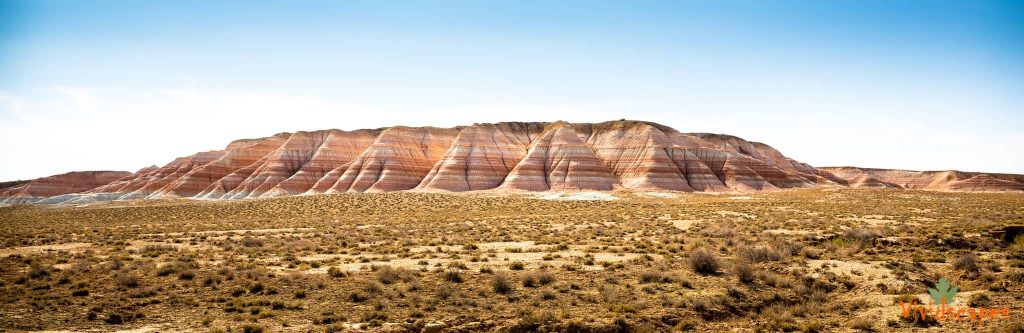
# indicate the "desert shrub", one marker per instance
pixel 516 266
pixel 811 326
pixel 906 298
pixel 251 242
pixel 444 291
pixel 967 263
pixel 252 328
pixel 502 284
pixel 787 248
pixel 114 319
pixel 126 280
pixel 916 318
pixel 654 276
pixel 37 270
pixel 389 275
pixel 744 271
pixel 335 272
pixel 979 300
pixel 777 319
pixel 860 236
pixel 758 254
pixel 256 288
pixel 357 297
pixel 300 294
pixel 862 324
pixel 155 250
pixel 537 279
pixel 186 275
pixel 373 287
pixel 452 276
pixel 548 295
pixel 703 262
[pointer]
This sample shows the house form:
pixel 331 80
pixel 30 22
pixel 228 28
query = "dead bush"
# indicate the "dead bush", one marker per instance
pixel 704 262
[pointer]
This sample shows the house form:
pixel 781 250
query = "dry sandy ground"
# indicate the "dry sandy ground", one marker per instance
pixel 803 260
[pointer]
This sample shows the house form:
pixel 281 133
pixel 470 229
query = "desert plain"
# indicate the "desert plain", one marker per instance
pixel 799 260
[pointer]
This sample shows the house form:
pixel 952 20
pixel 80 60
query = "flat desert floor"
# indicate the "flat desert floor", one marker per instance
pixel 797 260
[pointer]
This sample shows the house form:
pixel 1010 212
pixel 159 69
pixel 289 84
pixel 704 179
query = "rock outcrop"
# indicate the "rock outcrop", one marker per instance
pixel 511 156
pixel 950 180
pixel 36 190
pixel 482 156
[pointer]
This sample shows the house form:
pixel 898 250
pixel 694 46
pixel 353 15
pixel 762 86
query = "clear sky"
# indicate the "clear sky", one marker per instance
pixel 87 85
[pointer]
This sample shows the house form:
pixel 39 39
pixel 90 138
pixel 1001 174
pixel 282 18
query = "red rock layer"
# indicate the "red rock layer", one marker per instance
pixel 651 156
pixel 239 154
pixel 926 180
pixel 560 159
pixel 338 149
pixel 399 159
pixel 280 164
pixel 640 155
pixel 72 182
pixel 516 156
pixel 481 156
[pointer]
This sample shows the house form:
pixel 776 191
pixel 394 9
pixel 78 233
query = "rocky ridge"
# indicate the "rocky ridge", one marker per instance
pixel 950 180
pixel 508 156
pixel 36 190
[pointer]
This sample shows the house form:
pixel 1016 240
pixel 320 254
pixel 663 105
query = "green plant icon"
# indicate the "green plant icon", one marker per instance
pixel 943 293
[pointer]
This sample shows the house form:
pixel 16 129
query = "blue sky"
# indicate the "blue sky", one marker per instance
pixel 896 84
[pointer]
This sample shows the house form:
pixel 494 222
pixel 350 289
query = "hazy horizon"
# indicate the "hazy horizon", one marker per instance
pixel 120 85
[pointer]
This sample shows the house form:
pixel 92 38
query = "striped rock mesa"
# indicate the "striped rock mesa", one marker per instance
pixel 558 156
pixel 32 191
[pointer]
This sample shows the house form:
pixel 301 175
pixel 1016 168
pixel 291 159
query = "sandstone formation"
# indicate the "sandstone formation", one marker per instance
pixel 560 159
pixel 482 156
pixel 32 191
pixel 926 180
pixel 512 156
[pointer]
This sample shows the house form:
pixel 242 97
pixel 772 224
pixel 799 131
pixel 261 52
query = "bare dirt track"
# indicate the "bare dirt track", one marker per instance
pixel 795 260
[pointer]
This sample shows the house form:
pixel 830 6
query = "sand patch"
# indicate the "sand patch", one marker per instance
pixel 584 196
pixel 235 232
pixel 788 232
pixel 436 248
pixel 872 219
pixel 732 213
pixel 499 261
pixel 683 224
pixel 499 246
pixel 140 245
pixel 23 250
pixel 661 195
pixel 867 275
pixel 326 257
pixel 143 329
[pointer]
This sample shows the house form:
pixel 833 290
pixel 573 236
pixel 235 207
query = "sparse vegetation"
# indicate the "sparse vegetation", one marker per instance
pixel 703 262
pixel 795 260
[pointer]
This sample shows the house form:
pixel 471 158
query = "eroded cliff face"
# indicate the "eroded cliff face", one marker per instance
pixel 510 156
pixel 36 190
pixel 482 156
pixel 925 180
